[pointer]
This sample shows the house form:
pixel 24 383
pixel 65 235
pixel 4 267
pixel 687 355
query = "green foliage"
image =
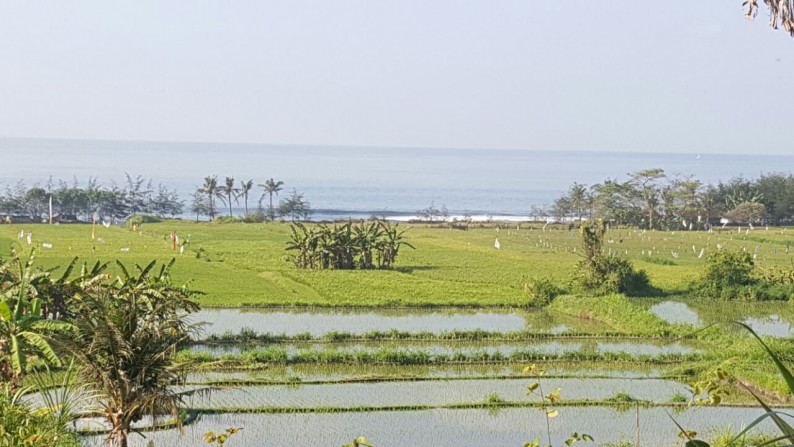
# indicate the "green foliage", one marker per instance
pixel 730 275
pixel 364 246
pixel 25 329
pixel 602 275
pixel 622 398
pixel 727 437
pixel 125 345
pixel 138 219
pixel 726 269
pixel 493 398
pixel 546 404
pixel 716 385
pixel 619 312
pixel 659 261
pixel 542 291
pixel 294 207
pixel 225 220
pixel 22 426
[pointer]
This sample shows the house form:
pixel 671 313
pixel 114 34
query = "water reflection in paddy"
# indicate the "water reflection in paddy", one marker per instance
pixel 357 321
pixel 437 392
pixel 452 428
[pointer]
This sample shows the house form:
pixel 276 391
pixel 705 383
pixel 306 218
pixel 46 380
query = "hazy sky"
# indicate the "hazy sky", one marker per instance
pixel 547 75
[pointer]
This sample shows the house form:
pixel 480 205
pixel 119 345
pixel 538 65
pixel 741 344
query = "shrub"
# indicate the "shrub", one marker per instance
pixel 257 217
pixel 24 426
pixel 604 275
pixel 138 219
pixel 731 276
pixel 225 220
pixel 541 291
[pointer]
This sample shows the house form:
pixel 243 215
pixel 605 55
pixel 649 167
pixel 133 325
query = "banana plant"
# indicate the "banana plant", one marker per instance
pixel 24 329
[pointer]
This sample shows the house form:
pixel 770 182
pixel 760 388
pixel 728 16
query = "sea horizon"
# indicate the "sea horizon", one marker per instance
pixel 360 181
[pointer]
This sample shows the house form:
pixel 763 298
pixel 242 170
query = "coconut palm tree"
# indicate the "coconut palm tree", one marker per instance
pixel 126 344
pixel 577 196
pixel 271 187
pixel 213 191
pixel 245 188
pixel 230 192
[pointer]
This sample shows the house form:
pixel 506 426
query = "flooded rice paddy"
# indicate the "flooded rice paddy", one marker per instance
pixel 429 393
pixel 451 428
pixel 771 319
pixel 767 318
pixel 316 323
pixel 282 403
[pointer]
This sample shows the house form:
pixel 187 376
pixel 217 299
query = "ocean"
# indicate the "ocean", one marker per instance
pixel 342 182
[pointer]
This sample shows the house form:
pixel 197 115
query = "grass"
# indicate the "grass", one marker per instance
pixel 244 264
pixel 275 355
pixel 248 336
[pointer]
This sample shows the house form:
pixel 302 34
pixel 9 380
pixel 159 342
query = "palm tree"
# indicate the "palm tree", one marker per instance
pixel 245 188
pixel 212 191
pixel 577 196
pixel 230 191
pixel 126 344
pixel 271 187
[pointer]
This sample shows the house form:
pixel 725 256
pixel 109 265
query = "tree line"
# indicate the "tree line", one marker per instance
pixel 71 201
pixel 139 195
pixel 650 199
pixel 207 199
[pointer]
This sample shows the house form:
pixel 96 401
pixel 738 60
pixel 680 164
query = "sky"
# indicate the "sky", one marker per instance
pixel 507 74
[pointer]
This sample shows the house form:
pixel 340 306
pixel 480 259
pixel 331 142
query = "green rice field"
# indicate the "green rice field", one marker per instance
pixel 434 352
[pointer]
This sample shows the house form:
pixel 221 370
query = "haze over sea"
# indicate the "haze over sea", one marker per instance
pixel 361 181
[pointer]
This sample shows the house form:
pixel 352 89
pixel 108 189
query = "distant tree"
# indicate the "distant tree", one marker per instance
pixel 746 212
pixel 138 194
pixel 577 197
pixel 561 208
pixel 777 195
pixel 610 201
pixel 212 191
pixel 111 203
pixel 245 188
pixel 432 213
pixel 35 202
pixel 166 202
pixel 646 190
pixel 709 203
pixel 687 199
pixel 229 193
pixel 271 187
pixel 294 207
pixel 70 200
pixel 200 204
